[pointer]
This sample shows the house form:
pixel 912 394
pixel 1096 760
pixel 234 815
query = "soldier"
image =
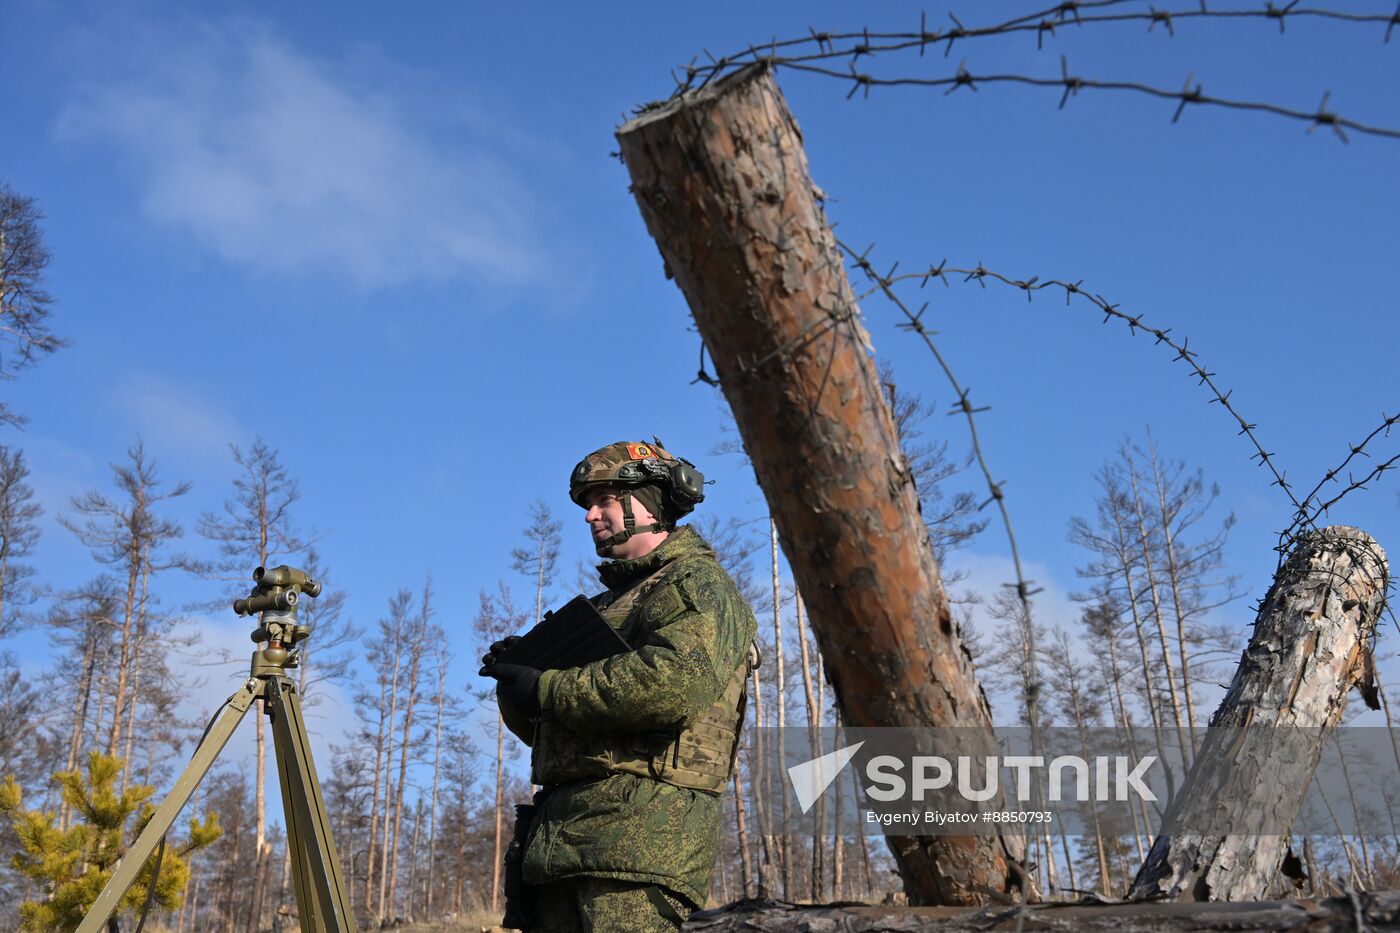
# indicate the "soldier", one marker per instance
pixel 634 751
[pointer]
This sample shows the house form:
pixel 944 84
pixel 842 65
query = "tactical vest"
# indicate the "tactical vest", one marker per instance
pixel 699 756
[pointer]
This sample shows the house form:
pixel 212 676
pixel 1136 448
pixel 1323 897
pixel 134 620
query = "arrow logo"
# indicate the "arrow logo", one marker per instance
pixel 811 778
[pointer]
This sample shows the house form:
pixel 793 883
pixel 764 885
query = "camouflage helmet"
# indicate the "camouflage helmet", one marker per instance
pixel 635 463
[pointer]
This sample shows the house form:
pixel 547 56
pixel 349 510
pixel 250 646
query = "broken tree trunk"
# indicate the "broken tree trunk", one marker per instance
pixel 1311 645
pixel 722 181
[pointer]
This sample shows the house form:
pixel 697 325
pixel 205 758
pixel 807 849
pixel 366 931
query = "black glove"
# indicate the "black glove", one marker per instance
pixel 518 685
pixel 496 650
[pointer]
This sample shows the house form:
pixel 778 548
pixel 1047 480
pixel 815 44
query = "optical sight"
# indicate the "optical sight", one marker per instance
pixel 277 590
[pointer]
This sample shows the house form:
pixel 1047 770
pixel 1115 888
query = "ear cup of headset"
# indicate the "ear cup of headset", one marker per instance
pixel 687 486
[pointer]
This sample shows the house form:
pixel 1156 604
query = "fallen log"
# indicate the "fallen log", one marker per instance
pixel 1362 911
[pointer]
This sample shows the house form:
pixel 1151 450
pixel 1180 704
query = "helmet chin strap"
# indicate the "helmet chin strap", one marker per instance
pixel 629 528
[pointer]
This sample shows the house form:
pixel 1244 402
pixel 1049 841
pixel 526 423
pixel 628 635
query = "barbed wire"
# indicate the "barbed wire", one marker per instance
pixel 805 52
pixel 1320 507
pixel 1306 512
pixel 1111 311
pixel 1045 21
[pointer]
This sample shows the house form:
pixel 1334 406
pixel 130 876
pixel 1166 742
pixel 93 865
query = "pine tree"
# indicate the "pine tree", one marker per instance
pixel 127 533
pixel 72 866
pixel 539 557
pixel 495 619
pixel 19 532
pixel 256 528
pixel 24 305
pixel 22 706
pixel 83 622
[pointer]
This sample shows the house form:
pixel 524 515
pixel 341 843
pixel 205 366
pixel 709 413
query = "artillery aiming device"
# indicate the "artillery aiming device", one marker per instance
pixel 323 901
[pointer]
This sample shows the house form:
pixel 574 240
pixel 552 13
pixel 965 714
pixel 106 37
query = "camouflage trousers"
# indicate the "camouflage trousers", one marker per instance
pixel 604 905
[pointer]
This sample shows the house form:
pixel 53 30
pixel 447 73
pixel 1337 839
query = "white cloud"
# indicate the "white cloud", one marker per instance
pixel 280 162
pixel 169 418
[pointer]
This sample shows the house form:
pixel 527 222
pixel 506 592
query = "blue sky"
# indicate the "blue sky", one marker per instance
pixel 394 244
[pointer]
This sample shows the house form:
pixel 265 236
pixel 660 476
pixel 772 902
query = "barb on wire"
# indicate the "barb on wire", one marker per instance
pixel 809 52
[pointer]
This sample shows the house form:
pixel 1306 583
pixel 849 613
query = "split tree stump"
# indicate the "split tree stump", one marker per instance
pixel 1311 645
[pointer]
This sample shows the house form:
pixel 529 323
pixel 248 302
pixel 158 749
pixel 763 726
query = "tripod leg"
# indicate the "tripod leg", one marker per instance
pixel 309 915
pixel 314 858
pixel 135 857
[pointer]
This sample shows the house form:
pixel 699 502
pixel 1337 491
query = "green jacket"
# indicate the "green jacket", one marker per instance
pixel 690 630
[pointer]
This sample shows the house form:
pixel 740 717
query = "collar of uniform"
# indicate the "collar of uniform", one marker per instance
pixel 682 542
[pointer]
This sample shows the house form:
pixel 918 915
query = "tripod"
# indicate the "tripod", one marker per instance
pixel 323 901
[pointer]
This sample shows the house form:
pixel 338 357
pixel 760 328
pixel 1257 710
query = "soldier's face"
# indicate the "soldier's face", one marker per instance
pixel 605 518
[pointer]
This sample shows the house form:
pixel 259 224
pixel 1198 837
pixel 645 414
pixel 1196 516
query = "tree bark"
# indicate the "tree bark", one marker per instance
pixel 442 658
pixel 416 649
pixel 135 552
pixel 386 850
pixel 136 662
pixel 759 773
pixel 1310 646
pixel 75 740
pixel 374 800
pixel 741 830
pixel 413 870
pixel 500 807
pixel 779 695
pixel 721 178
pixel 814 741
pixel 1124 725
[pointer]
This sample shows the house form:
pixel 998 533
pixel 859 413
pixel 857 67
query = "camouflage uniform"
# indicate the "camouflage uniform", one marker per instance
pixel 616 744
pixel 601 904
